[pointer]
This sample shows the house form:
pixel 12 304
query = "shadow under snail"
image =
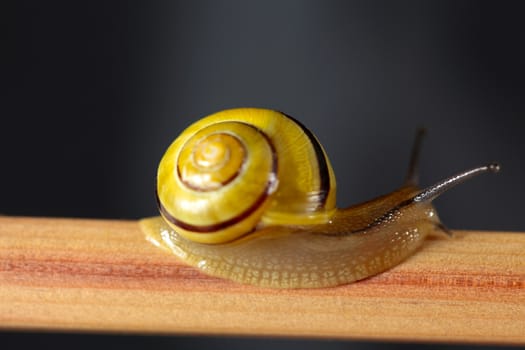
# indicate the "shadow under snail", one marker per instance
pixel 250 195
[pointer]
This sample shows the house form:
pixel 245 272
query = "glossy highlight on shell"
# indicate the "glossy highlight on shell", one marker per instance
pixel 249 195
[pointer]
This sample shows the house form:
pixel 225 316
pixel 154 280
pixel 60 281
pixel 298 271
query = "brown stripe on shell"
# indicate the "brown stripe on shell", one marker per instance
pixel 324 174
pixel 206 229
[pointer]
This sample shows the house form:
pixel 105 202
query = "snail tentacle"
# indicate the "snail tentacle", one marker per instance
pixel 440 227
pixel 412 176
pixel 432 192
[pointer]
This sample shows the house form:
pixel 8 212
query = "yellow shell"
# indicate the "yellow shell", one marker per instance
pixel 241 168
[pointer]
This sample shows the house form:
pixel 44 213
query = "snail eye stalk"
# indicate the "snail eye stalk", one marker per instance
pixel 432 192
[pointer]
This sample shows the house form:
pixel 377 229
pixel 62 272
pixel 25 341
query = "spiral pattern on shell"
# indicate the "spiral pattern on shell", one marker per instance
pixel 240 168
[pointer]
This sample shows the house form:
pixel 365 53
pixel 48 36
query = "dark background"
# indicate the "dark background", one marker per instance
pixel 96 90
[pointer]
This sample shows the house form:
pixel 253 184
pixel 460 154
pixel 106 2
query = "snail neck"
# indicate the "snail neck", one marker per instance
pixel 385 209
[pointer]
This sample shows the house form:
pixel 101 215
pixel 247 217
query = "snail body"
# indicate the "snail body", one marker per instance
pixel 249 195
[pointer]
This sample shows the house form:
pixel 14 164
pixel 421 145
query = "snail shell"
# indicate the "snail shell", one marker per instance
pixel 241 168
pixel 249 195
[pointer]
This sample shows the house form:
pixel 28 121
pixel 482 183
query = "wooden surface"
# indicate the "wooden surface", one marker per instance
pixel 96 275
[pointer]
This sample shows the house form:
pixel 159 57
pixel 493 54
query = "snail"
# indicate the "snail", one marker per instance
pixel 250 195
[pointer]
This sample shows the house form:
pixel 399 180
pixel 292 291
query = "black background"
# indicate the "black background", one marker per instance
pixel 95 91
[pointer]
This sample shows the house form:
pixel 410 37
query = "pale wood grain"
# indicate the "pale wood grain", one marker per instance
pixel 97 275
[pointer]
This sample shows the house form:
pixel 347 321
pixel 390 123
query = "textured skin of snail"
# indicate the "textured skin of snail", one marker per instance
pixel 307 256
pixel 262 211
